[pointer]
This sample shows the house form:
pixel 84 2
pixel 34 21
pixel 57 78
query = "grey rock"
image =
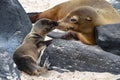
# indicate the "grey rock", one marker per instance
pixel 115 4
pixel 118 79
pixel 8 71
pixel 74 55
pixel 14 24
pixel 56 35
pixel 108 37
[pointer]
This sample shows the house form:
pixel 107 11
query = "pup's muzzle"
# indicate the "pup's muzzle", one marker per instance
pixel 53 23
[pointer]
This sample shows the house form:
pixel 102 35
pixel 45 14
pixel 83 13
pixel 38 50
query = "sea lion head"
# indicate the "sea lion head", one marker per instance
pixel 44 26
pixel 83 18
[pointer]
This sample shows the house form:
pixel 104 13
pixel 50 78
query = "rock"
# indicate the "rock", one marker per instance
pixel 108 37
pixel 118 79
pixel 14 24
pixel 8 71
pixel 115 4
pixel 76 56
pixel 56 35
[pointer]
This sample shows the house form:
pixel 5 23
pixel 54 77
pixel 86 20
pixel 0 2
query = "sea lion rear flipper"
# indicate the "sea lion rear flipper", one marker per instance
pixel 47 63
pixel 28 65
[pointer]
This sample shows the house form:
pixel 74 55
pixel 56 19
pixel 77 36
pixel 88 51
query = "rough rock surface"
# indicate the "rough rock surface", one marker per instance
pixel 108 37
pixel 8 71
pixel 73 55
pixel 14 24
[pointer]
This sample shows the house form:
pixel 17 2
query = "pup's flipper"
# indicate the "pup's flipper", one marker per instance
pixel 43 43
pixel 47 63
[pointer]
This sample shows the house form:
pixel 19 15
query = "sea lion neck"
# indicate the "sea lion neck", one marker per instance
pixel 33 38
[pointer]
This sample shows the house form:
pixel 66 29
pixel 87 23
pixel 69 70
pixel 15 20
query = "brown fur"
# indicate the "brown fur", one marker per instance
pixel 82 22
pixel 92 13
pixel 27 54
pixel 60 11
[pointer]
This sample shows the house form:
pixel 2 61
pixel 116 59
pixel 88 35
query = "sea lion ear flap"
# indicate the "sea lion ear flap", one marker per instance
pixel 88 18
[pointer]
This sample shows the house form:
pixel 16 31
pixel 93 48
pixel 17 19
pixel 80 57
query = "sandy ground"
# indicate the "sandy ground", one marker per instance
pixel 54 75
pixel 41 5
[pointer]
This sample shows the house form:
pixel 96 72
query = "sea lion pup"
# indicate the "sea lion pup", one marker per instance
pixel 27 54
pixel 61 10
pixel 82 22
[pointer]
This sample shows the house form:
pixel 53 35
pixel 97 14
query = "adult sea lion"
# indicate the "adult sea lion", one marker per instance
pixel 81 17
pixel 61 10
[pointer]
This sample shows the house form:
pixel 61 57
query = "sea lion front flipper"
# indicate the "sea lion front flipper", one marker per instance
pixel 43 43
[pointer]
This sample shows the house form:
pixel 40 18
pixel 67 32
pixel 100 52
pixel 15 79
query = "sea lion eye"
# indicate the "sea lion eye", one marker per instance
pixel 74 19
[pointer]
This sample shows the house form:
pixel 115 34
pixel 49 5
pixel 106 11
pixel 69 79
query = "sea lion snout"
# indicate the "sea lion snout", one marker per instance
pixel 53 24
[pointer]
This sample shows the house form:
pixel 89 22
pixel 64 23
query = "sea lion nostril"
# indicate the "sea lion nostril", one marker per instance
pixel 54 23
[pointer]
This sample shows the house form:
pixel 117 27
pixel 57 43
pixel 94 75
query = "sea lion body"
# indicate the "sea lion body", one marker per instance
pixel 61 10
pixel 27 54
pixel 100 12
pixel 82 22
